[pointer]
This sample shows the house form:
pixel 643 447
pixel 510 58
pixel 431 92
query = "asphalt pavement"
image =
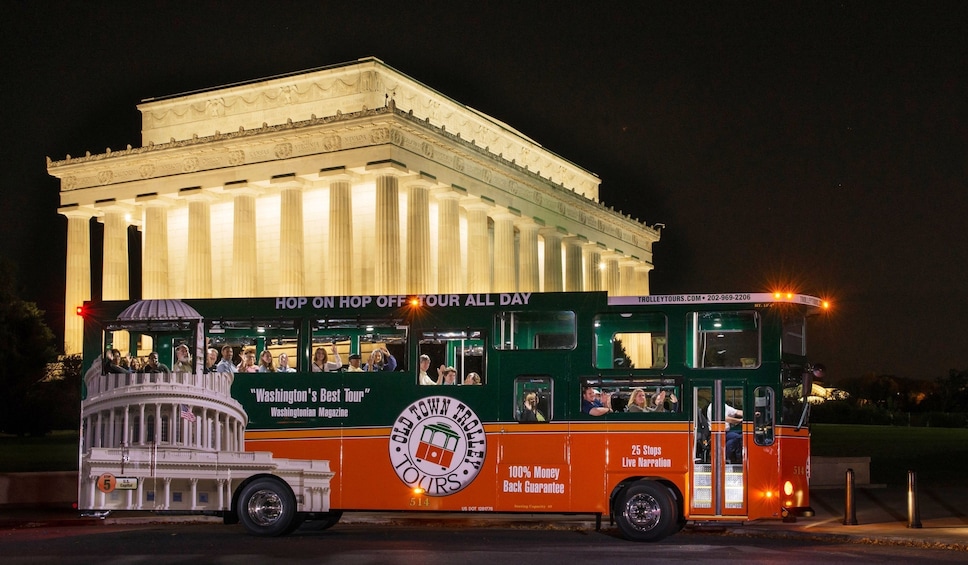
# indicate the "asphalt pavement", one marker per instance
pixel 882 517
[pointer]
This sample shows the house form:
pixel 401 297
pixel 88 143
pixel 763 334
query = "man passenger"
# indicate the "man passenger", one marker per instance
pixel 591 405
pixel 225 365
pixel 355 364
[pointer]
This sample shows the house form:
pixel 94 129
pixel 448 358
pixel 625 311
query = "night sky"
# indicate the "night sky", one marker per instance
pixel 818 146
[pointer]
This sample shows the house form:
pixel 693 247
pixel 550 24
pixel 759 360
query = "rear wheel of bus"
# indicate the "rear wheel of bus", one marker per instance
pixel 645 511
pixel 267 507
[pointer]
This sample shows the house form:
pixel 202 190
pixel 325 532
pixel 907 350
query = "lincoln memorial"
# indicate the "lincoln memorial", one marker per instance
pixel 353 179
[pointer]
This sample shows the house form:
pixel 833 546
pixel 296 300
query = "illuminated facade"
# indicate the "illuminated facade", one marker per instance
pixel 353 179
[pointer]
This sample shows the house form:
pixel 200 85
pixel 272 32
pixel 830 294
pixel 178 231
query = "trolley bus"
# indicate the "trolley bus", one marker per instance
pixel 651 410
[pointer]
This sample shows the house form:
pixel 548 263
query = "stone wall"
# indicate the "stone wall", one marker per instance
pixel 38 489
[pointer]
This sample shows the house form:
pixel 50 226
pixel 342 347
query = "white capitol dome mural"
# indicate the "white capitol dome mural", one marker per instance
pixel 177 436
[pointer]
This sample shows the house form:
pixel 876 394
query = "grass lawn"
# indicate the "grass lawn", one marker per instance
pixel 938 455
pixel 56 451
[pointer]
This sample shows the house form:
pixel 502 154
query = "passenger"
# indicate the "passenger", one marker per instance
pixel 183 360
pixel 380 360
pixel 446 375
pixel 472 379
pixel 734 432
pixel 284 364
pixel 355 364
pixel 122 361
pixel 322 364
pixel 265 362
pixel 248 364
pixel 154 365
pixel 136 365
pixel 592 405
pixel 637 401
pixel 422 377
pixel 225 365
pixel 111 365
pixel 663 401
pixel 211 362
pixel 531 412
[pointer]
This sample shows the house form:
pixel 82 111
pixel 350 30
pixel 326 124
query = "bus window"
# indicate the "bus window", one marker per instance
pixel 256 336
pixel 363 337
pixel 533 399
pixel 461 349
pixel 638 396
pixel 723 339
pixel 794 332
pixel 630 341
pixel 763 415
pixel 535 330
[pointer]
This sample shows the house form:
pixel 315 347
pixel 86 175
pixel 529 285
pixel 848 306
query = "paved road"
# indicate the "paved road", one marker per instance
pixel 376 543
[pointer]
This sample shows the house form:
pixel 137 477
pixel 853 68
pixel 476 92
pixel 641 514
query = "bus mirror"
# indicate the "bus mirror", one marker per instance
pixel 807 384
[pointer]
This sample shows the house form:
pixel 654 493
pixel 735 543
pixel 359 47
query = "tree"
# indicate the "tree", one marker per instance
pixel 26 347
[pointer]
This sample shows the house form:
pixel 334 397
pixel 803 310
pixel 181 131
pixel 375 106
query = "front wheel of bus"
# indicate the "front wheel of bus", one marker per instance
pixel 267 508
pixel 645 511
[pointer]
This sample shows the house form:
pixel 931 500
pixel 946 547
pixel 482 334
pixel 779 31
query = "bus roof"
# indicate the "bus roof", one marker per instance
pixel 723 298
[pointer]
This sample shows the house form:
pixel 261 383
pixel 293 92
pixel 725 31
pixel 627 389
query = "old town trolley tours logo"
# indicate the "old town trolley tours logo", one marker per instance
pixel 438 445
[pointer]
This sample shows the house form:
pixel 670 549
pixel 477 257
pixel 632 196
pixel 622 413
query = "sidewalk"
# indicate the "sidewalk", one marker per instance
pixel 881 518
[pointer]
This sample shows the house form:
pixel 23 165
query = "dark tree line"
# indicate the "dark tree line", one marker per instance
pixel 36 401
pixel 889 399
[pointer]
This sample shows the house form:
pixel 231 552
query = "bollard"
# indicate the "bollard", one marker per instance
pixel 850 513
pixel 914 514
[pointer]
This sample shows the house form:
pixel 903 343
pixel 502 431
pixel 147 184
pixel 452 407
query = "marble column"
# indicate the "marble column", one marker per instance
pixel 78 288
pixel 574 278
pixel 627 277
pixel 339 256
pixel 478 248
pixel 642 279
pixel 387 267
pixel 154 282
pixel 114 285
pixel 449 279
pixel 418 239
pixel 528 268
pixel 244 269
pixel 593 266
pixel 505 273
pixel 553 269
pixel 290 238
pixel 610 274
pixel 198 279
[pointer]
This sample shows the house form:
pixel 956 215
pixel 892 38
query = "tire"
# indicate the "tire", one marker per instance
pixel 645 511
pixel 322 521
pixel 267 507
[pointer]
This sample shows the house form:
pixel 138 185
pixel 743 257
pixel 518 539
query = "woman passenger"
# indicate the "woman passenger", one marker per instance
pixel 321 362
pixel 265 362
pixel 380 360
pixel 247 365
pixel 637 402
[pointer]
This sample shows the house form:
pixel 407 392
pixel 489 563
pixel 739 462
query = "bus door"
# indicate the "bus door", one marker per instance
pixel 718 475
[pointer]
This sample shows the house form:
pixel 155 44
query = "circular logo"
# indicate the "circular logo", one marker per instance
pixel 437 444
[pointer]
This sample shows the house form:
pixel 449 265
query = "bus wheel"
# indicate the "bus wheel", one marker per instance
pixel 645 511
pixel 323 521
pixel 267 508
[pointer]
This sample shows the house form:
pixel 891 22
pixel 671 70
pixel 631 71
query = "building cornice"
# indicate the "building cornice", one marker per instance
pixel 386 126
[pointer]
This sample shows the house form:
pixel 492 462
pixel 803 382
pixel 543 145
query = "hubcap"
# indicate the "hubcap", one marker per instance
pixel 265 507
pixel 642 512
